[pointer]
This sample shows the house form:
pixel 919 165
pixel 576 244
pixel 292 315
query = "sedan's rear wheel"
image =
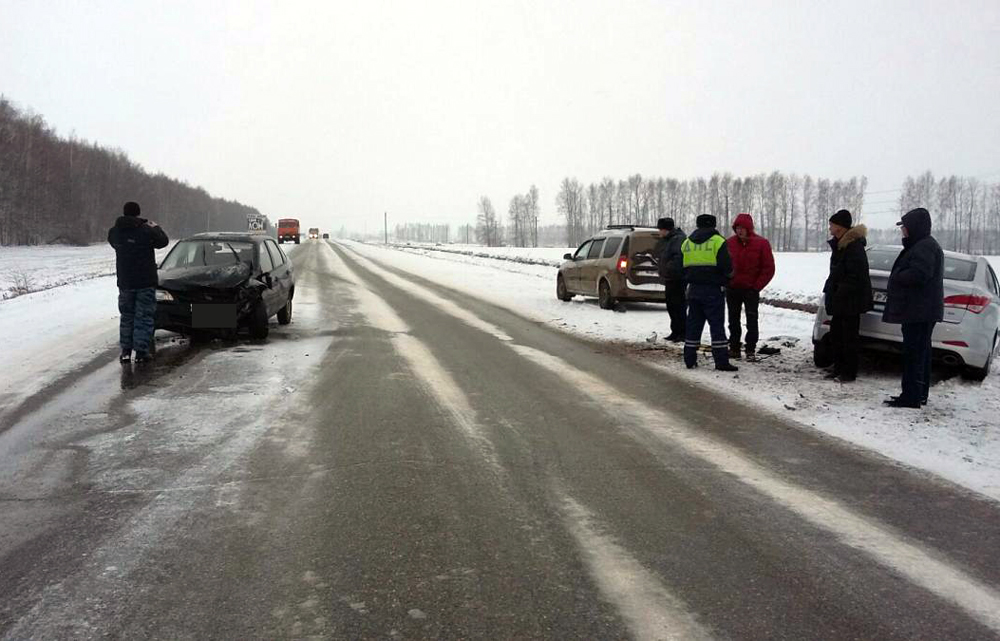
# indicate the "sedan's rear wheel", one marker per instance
pixel 604 297
pixel 980 373
pixel 561 292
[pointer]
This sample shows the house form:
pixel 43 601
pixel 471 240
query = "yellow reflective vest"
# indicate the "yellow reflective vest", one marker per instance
pixel 705 254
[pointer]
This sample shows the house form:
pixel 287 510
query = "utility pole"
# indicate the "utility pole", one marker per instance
pixel 385 222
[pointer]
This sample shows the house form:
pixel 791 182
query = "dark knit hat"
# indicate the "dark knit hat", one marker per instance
pixel 665 223
pixel 842 218
pixel 131 209
pixel 705 221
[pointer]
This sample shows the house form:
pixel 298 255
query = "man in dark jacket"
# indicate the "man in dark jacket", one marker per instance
pixel 847 293
pixel 707 270
pixel 135 240
pixel 915 300
pixel 753 269
pixel 671 266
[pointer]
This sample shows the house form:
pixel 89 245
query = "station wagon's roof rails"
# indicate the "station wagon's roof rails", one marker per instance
pixel 632 227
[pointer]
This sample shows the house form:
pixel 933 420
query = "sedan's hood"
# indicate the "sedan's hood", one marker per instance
pixel 214 277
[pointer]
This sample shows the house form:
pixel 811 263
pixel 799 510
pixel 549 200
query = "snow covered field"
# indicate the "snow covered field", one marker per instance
pixel 957 436
pixel 34 269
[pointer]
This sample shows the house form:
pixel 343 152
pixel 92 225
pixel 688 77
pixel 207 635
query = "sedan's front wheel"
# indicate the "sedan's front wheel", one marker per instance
pixel 285 313
pixel 258 321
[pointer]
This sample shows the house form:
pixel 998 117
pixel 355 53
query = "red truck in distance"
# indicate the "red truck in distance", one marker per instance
pixel 288 230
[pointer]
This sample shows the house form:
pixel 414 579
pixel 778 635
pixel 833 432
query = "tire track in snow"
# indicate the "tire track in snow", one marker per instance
pixel 427 370
pixel 649 609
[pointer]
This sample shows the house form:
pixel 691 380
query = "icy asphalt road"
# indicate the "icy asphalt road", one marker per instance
pixel 402 462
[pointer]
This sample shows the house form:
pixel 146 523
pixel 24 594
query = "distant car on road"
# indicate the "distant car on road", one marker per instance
pixel 969 336
pixel 288 230
pixel 326 236
pixel 613 265
pixel 220 282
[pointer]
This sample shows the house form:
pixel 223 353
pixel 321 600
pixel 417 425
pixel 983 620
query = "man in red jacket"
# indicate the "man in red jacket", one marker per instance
pixel 753 269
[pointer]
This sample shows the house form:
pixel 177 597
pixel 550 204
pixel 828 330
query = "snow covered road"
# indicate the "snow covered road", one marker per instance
pixel 406 460
pixel 957 436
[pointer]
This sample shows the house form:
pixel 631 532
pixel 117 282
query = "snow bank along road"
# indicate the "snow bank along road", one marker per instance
pixel 401 461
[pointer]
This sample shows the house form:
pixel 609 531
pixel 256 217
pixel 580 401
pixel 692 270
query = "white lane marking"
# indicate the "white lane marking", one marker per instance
pixel 649 609
pixel 427 370
pixel 441 386
pixel 921 566
pixel 376 310
pixel 428 296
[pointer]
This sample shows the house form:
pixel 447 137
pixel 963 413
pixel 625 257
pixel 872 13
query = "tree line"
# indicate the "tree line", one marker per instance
pixel 965 210
pixel 55 189
pixel 792 211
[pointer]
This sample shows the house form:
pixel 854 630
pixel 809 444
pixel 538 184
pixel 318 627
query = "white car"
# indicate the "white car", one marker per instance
pixel 969 336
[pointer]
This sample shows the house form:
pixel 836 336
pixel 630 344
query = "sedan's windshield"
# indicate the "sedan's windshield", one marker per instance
pixel 954 268
pixel 207 253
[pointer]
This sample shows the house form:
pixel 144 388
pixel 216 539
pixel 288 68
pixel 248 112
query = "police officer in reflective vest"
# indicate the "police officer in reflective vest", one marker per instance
pixel 707 270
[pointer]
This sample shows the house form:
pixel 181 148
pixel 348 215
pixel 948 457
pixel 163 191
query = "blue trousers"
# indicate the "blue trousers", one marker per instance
pixel 916 361
pixel 706 303
pixel 138 316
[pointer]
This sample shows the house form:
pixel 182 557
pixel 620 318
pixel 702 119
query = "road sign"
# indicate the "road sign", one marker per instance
pixel 256 223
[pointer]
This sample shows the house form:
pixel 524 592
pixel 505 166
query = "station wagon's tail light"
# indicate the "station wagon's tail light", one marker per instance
pixel 956 343
pixel 975 304
pixel 622 264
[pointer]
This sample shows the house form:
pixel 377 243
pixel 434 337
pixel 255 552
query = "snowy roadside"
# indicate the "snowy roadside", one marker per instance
pixel 956 436
pixel 24 270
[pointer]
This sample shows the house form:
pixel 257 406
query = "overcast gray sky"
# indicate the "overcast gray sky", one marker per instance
pixel 336 112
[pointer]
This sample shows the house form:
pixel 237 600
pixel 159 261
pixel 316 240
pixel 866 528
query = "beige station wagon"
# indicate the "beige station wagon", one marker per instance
pixel 614 265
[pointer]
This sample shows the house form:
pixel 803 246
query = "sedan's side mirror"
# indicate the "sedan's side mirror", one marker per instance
pixel 268 281
pixel 567 256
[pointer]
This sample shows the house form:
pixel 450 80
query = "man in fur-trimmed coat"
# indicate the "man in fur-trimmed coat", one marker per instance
pixel 847 293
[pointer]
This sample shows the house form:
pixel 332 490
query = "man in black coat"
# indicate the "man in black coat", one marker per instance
pixel 847 293
pixel 135 240
pixel 670 263
pixel 915 300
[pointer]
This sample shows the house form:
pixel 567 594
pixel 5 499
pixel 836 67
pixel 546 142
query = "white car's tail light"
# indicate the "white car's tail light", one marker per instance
pixel 975 304
pixel 622 264
pixel 164 295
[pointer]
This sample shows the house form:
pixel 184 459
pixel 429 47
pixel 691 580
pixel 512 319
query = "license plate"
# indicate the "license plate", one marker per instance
pixel 880 296
pixel 213 316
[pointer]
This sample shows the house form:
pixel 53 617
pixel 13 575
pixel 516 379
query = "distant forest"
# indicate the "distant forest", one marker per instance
pixel 59 190
pixel 792 211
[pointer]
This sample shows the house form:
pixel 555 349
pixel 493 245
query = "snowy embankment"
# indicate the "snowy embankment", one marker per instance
pixel 798 279
pixel 69 316
pixel 957 436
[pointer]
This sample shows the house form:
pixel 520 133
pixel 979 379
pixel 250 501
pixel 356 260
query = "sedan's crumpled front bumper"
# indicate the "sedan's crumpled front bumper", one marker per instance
pixel 184 311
